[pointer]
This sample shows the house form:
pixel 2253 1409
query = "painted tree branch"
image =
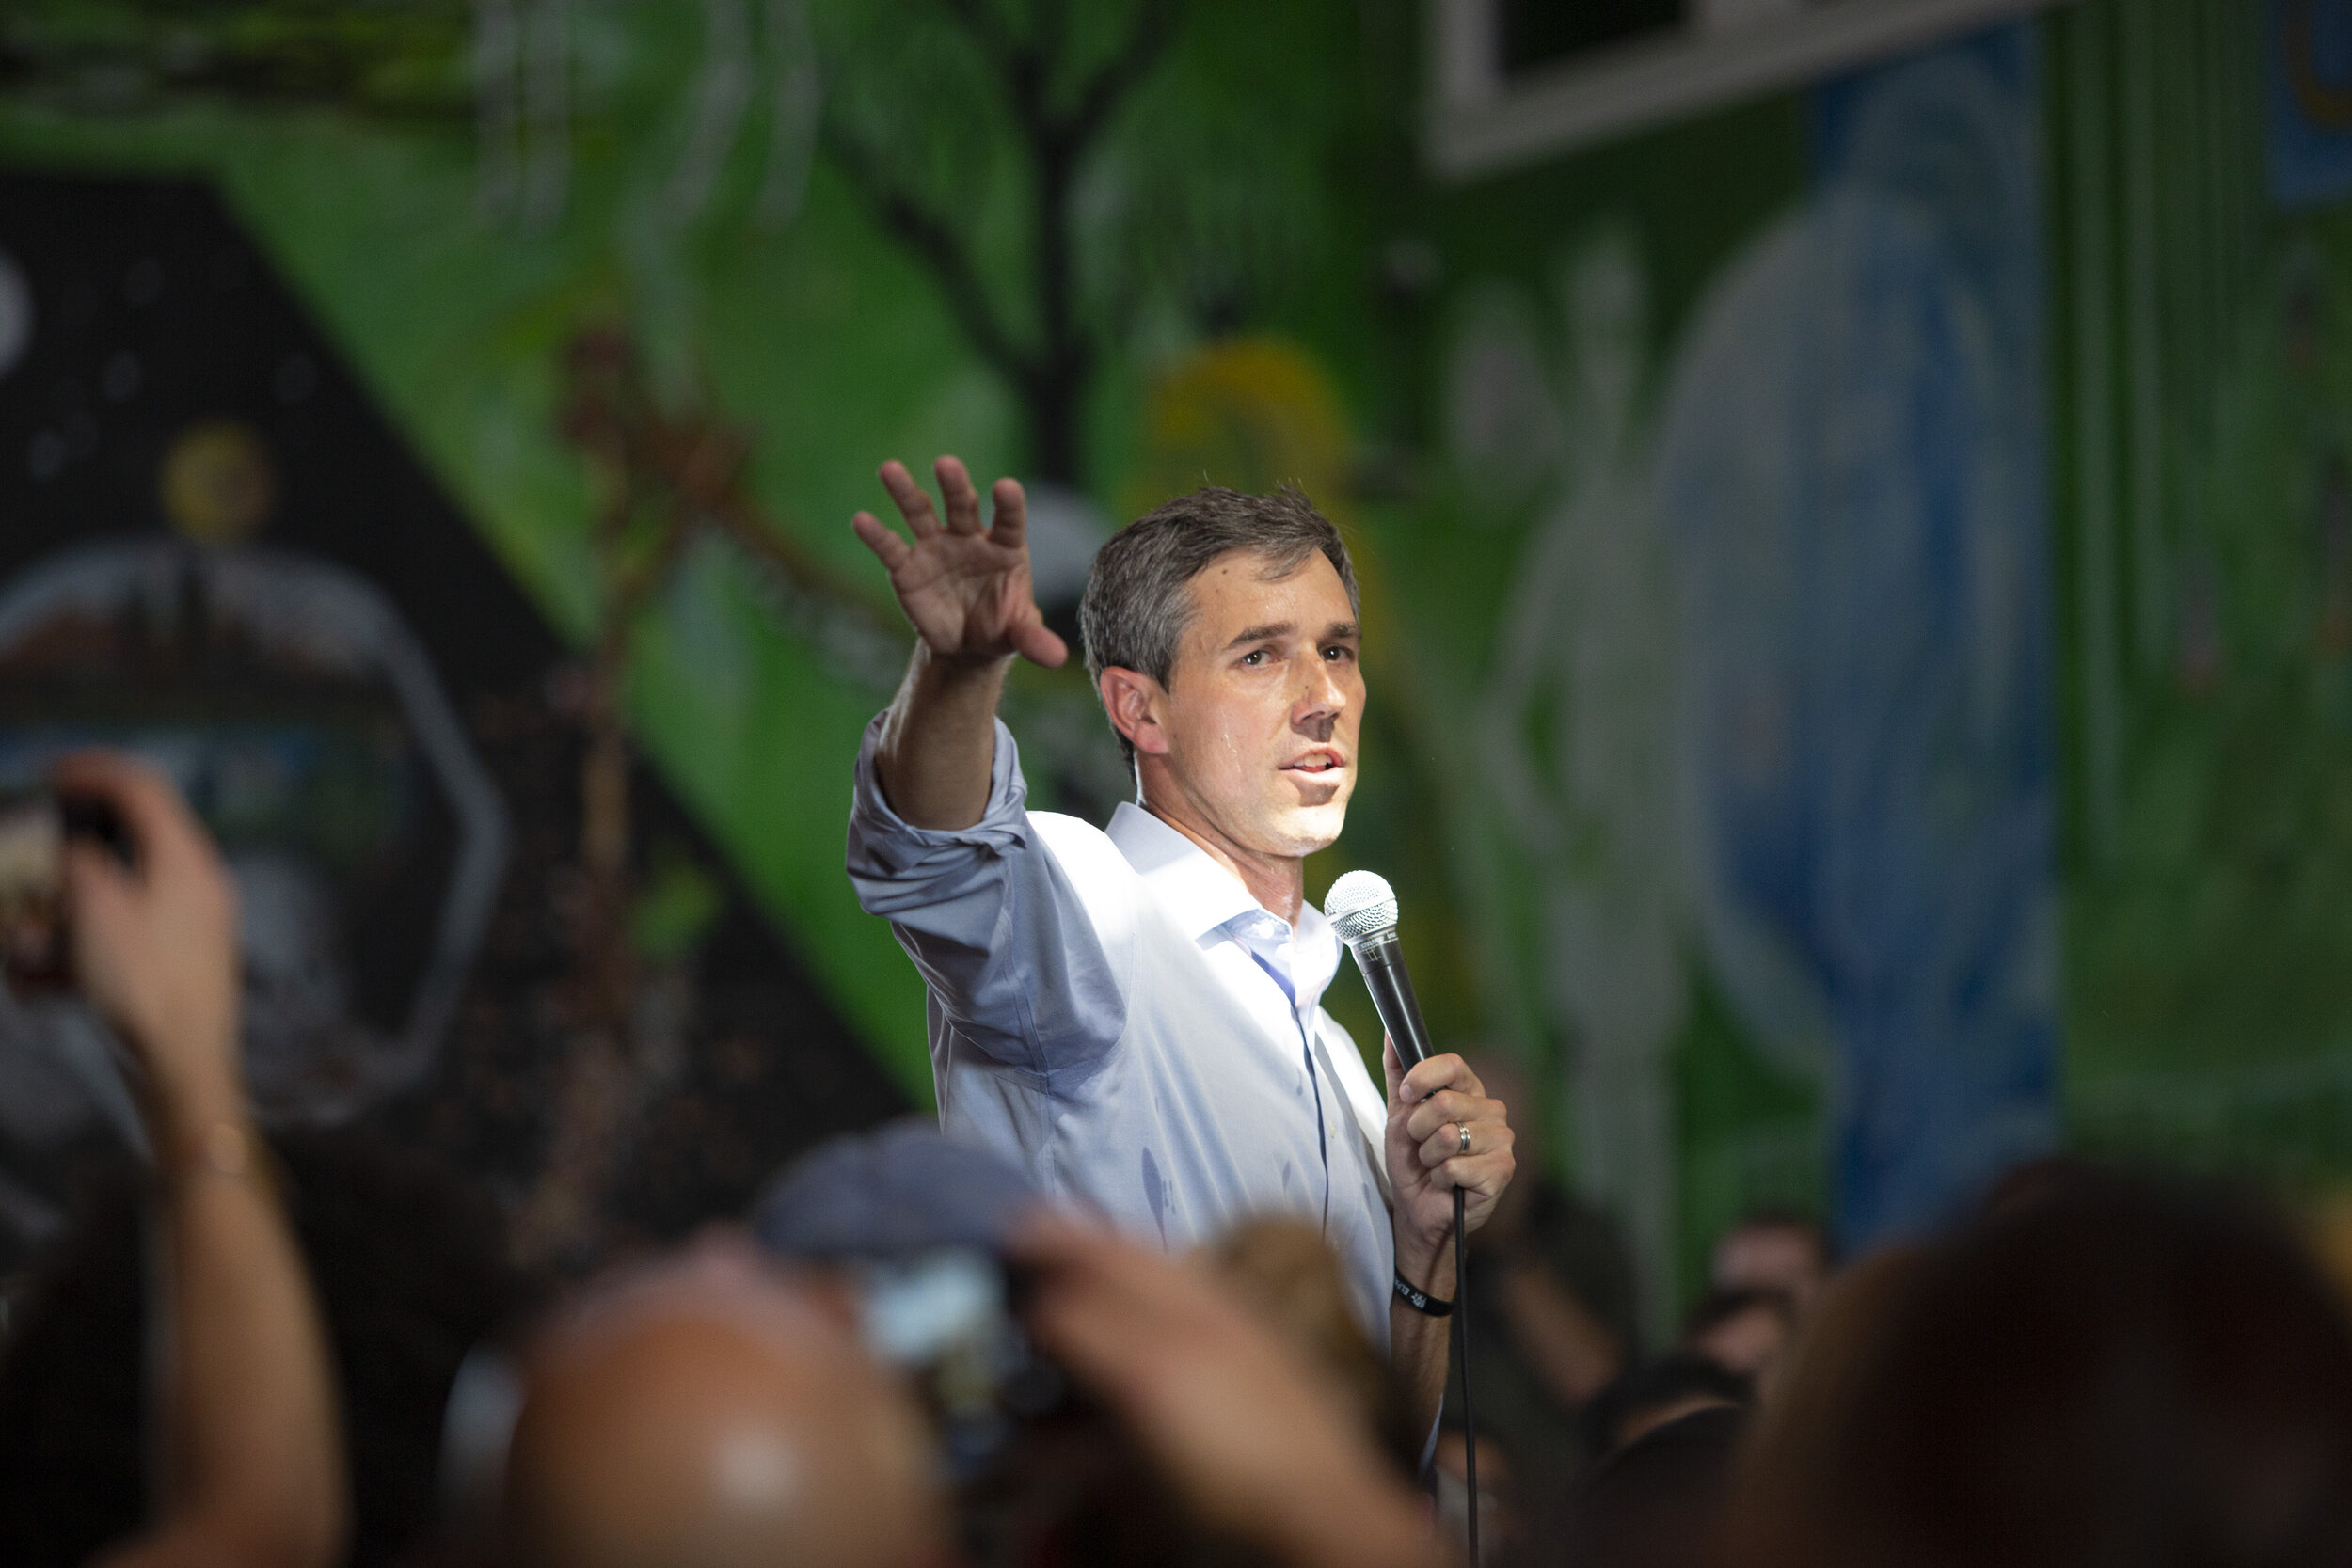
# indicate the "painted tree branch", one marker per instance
pixel 904 215
pixel 1154 29
pixel 1051 366
pixel 669 480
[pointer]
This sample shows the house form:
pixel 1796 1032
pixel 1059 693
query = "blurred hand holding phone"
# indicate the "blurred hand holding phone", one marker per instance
pixel 36 946
pixel 32 894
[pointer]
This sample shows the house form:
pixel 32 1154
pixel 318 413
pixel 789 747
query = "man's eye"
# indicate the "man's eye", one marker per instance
pixel 1254 657
pixel 1339 651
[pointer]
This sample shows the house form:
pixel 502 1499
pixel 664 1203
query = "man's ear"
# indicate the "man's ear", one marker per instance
pixel 1133 700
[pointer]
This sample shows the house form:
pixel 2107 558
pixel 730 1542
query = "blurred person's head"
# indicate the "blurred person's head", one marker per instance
pixel 704 1411
pixel 408 1261
pixel 1772 1251
pixel 1654 1503
pixel 1649 1396
pixel 889 1193
pixel 1542 1225
pixel 2033 1182
pixel 1039 1475
pixel 2329 1223
pixel 1741 1331
pixel 2108 1371
pixel 1286 1274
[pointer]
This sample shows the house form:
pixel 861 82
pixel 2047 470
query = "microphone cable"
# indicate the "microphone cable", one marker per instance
pixel 1462 1336
pixel 1362 907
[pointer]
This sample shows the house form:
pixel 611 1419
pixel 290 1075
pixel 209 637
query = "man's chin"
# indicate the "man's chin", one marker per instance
pixel 1309 830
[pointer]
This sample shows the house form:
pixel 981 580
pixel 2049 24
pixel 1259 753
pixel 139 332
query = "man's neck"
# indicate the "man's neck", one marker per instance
pixel 1278 882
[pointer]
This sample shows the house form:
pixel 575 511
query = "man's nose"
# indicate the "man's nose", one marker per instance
pixel 1321 699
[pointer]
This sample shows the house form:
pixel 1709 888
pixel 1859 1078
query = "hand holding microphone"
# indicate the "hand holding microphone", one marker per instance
pixel 1444 1134
pixel 1449 1147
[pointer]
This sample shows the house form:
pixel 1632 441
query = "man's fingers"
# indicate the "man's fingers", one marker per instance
pixel 964 501
pixel 885 541
pixel 1447 1106
pixel 1445 1147
pixel 1480 1180
pixel 1039 645
pixel 1448 1072
pixel 1484 1176
pixel 1010 526
pixel 1479 1176
pixel 913 501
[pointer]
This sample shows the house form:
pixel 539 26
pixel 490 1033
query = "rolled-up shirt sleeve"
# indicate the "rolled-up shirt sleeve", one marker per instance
pixel 991 921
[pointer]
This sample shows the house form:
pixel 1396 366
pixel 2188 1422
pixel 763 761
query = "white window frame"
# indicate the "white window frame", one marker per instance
pixel 1479 125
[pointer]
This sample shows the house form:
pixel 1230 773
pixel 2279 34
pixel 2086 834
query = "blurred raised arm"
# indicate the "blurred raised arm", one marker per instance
pixel 254 1475
pixel 1255 1442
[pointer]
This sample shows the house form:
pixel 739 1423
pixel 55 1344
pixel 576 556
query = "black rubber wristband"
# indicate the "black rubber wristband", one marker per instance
pixel 1422 1301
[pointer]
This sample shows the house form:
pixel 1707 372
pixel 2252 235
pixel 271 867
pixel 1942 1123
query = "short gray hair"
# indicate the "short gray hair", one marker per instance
pixel 1138 603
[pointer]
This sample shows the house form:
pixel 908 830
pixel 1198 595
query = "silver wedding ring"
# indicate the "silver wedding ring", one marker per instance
pixel 1463 1128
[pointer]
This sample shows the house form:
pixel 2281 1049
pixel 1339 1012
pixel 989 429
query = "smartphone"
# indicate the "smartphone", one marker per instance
pixel 36 953
pixel 945 1317
pixel 32 894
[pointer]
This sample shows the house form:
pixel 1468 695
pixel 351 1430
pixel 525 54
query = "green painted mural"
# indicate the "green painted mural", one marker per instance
pixel 455 254
pixel 2209 1001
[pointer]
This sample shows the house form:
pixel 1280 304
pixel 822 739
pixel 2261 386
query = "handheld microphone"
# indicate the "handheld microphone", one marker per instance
pixel 1362 907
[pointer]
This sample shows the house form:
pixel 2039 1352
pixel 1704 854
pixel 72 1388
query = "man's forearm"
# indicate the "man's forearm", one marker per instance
pixel 1419 1344
pixel 938 745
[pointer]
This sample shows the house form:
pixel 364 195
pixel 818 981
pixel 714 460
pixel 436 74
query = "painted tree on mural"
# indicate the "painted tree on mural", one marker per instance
pixel 1069 179
pixel 1075 179
pixel 669 482
pixel 1036 96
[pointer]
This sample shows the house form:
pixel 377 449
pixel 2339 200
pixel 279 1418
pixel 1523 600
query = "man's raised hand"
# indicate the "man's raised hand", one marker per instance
pixel 964 586
pixel 967 590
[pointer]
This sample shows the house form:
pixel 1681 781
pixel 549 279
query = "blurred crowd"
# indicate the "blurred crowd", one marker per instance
pixel 311 1348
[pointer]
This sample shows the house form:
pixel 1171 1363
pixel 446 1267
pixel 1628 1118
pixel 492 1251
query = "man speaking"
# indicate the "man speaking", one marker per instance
pixel 1135 1015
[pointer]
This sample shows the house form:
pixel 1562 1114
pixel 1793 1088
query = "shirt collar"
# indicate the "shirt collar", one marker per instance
pixel 1201 894
pixel 1204 896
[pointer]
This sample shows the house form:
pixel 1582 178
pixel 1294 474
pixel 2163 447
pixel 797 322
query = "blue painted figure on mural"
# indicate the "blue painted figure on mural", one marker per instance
pixel 1850 464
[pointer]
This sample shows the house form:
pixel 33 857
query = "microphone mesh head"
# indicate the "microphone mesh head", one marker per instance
pixel 1360 904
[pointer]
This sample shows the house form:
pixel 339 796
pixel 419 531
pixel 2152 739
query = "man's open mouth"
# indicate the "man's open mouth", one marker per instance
pixel 1321 762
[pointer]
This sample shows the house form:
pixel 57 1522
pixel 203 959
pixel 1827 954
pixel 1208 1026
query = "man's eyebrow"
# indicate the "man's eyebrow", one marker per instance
pixel 1268 633
pixel 1273 631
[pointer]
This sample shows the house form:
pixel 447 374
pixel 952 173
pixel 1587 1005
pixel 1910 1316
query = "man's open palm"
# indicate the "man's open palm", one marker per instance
pixel 965 586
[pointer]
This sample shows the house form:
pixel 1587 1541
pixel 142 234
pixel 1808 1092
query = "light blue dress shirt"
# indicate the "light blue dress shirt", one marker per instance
pixel 1114 1011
